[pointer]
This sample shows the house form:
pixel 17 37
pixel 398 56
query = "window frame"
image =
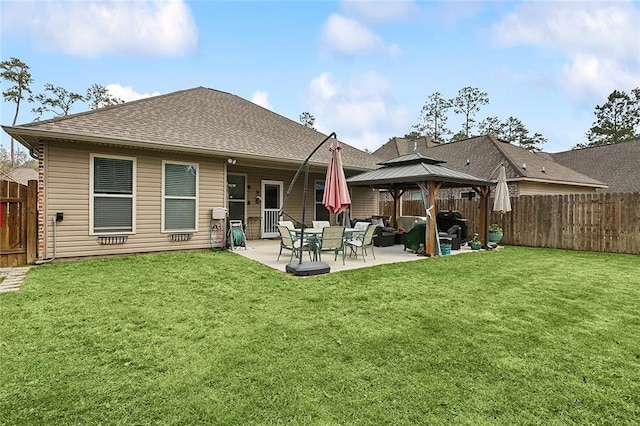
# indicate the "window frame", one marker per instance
pixel 316 202
pixel 196 198
pixel 92 194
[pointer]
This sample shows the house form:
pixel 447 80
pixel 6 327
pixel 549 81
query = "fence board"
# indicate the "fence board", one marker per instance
pixel 18 227
pixel 591 222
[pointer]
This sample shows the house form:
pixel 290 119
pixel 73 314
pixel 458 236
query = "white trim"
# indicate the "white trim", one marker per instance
pixel 133 196
pixel 279 184
pixel 196 198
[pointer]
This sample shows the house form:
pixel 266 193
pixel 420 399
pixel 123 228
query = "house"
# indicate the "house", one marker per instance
pixel 617 165
pixel 21 175
pixel 145 176
pixel 527 172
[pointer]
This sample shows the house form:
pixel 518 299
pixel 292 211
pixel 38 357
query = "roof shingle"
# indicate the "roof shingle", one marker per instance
pixel 617 165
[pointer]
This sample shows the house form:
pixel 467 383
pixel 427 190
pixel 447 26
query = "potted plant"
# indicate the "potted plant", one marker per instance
pixel 495 233
pixel 445 248
pixel 475 242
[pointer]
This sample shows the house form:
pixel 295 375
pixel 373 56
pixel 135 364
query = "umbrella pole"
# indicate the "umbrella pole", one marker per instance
pixel 304 205
pixel 295 177
pixel 312 268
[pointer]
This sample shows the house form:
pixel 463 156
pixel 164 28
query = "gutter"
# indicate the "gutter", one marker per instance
pixel 22 133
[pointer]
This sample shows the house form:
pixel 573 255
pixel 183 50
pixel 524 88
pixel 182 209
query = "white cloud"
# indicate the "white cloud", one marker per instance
pixel 381 11
pixel 261 98
pixel 360 111
pixel 126 93
pixel 350 37
pixel 323 88
pixel 150 28
pixel 599 39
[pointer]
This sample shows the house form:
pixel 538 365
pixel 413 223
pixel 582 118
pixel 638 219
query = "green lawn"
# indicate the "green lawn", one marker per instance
pixel 520 336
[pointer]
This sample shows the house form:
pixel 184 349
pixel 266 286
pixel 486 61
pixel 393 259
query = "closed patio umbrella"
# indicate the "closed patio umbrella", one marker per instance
pixel 502 203
pixel 336 196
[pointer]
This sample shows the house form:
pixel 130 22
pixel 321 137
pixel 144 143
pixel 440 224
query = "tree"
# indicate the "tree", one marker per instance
pixel 59 102
pixel 98 96
pixel 461 135
pixel 512 130
pixel 617 120
pixel 491 126
pixel 16 72
pixel 307 120
pixel 468 103
pixel 433 117
pixel 21 159
pixel 412 136
pixel 515 131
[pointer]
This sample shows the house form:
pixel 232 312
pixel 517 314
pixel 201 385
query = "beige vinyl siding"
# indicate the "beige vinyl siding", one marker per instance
pixel 364 202
pixel 541 188
pixel 67 190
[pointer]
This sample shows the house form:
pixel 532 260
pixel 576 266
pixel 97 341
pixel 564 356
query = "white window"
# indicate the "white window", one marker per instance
pixel 179 196
pixel 112 201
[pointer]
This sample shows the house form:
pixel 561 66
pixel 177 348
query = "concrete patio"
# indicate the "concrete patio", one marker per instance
pixel 266 252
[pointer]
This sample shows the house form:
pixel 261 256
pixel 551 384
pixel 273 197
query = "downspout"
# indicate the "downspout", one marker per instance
pixel 40 262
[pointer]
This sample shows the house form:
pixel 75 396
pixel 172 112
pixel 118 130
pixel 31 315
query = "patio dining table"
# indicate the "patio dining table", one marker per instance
pixel 314 237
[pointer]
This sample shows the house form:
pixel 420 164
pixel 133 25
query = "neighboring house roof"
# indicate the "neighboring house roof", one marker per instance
pixel 198 120
pixel 405 171
pixel 618 165
pixel 480 156
pixel 20 175
pixel 397 147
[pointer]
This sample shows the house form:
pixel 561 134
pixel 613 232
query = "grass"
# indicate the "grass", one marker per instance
pixel 521 336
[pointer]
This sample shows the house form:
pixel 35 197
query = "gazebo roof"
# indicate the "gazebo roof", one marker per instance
pixel 405 171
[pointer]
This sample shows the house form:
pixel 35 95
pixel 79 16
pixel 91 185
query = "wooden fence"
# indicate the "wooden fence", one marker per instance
pixel 18 223
pixel 592 222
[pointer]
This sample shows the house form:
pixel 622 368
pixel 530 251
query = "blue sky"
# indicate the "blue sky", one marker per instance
pixel 362 68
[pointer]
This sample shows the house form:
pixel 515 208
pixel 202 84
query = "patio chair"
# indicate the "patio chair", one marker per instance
pixel 288 242
pixel 332 240
pixel 363 242
pixel 320 224
pixel 454 235
pixel 286 223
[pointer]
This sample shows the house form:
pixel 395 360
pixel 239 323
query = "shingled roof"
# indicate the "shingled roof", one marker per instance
pixel 405 171
pixel 397 147
pixel 198 120
pixel 618 165
pixel 480 156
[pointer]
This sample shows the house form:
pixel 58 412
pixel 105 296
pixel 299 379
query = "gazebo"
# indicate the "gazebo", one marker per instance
pixel 416 171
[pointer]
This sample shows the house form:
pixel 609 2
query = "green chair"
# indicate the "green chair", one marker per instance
pixel 288 242
pixel 332 240
pixel 415 236
pixel 363 242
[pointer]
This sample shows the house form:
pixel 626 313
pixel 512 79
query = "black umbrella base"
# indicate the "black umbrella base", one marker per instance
pixel 306 269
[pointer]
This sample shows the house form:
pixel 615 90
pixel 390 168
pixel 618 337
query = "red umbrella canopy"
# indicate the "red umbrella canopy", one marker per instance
pixel 336 194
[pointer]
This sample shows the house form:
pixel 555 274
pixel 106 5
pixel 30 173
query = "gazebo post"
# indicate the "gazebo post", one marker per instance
pixel 430 243
pixel 397 194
